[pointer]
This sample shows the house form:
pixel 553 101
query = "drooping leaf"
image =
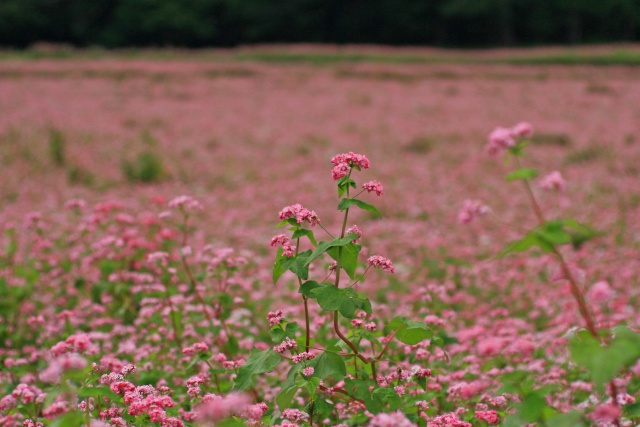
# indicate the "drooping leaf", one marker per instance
pixel 329 364
pixel 348 257
pixel 347 203
pixel 302 232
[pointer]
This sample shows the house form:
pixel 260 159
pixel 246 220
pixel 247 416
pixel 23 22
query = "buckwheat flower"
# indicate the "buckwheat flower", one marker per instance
pixel 500 139
pixel 354 230
pixel 381 262
pixel 393 419
pixel 159 256
pixel 288 249
pixel 274 318
pixel 400 391
pixel 300 214
pixel 279 240
pixel 491 417
pixel 351 159
pixel 214 408
pixel 472 209
pixel 553 182
pixel 374 186
pixel 339 171
pixel 371 326
pixel 186 202
pixel 295 415
pixel 600 292
pixel 423 405
pixel 606 413
pixel 523 130
pixel 308 371
pixel 287 344
pixel 302 356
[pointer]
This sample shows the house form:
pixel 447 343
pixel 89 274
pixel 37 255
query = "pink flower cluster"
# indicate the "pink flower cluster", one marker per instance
pixel 199 347
pixel 374 186
pixel 274 318
pixel 287 248
pixel 393 419
pixel 186 203
pixel 287 344
pixel 214 408
pixel 295 415
pixel 381 262
pixel 472 209
pixel 344 162
pixel 354 230
pixel 302 356
pixel 491 417
pixel 553 182
pixel 502 138
pixel 300 214
pixel 448 420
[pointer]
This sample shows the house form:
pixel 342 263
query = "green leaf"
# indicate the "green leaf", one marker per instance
pixel 569 419
pixel 290 221
pixel 347 203
pixel 553 233
pixel 281 265
pixel 323 246
pixel 260 361
pixel 532 407
pixel 329 364
pixel 361 389
pixel 307 287
pixel 522 174
pixel 389 396
pixel 348 257
pixel 289 388
pixel 632 410
pixel 300 266
pixel 344 300
pixel 301 232
pixel 70 419
pixel 343 185
pixel 409 331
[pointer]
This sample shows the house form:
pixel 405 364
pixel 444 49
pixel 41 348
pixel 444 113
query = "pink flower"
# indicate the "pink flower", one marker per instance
pixel 344 162
pixel 600 292
pixel 354 230
pixel 274 318
pixel 491 346
pixel 288 249
pixel 491 417
pixel 471 209
pixel 308 371
pixel 374 186
pixel 607 412
pixel 339 171
pixel 300 214
pixel 186 203
pixel 394 419
pixel 381 262
pixel 554 181
pixel 523 130
pixel 214 408
pixel 280 239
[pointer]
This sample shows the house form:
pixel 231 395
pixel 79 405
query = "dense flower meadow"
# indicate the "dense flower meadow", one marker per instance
pixel 237 265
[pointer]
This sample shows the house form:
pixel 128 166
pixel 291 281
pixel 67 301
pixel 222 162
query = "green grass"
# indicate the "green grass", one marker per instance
pixel 629 56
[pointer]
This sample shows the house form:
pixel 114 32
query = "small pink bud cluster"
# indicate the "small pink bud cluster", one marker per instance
pixel 287 344
pixel 553 182
pixel 381 262
pixel 214 408
pixel 295 415
pixel 502 138
pixel 472 209
pixel 308 371
pixel 198 347
pixel 300 214
pixel 374 186
pixel 287 248
pixel 448 420
pixel 186 203
pixel 302 356
pixel 354 230
pixel 423 373
pixel 344 162
pixel 395 419
pixel 274 318
pixel 491 417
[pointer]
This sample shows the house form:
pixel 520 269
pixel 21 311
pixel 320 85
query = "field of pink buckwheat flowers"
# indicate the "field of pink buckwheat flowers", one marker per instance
pixel 139 202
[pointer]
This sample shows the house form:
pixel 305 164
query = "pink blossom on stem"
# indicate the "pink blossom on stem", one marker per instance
pixel 374 186
pixel 381 262
pixel 354 230
pixel 523 130
pixel 471 209
pixel 553 182
pixel 186 202
pixel 300 214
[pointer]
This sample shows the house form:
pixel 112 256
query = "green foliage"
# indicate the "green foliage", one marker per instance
pixel 409 331
pixel 57 144
pixel 551 234
pixel 522 174
pixel 146 168
pixel 604 362
pixel 347 203
pixel 344 300
pixel 260 361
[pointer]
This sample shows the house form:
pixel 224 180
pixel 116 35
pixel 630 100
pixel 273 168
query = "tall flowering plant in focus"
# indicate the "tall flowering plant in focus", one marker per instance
pixel 603 352
pixel 339 367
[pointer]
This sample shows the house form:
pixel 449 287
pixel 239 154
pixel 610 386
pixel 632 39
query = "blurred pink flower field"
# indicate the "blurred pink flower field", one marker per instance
pixel 120 308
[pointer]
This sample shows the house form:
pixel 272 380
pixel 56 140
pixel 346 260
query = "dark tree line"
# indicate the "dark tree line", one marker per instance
pixel 198 23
